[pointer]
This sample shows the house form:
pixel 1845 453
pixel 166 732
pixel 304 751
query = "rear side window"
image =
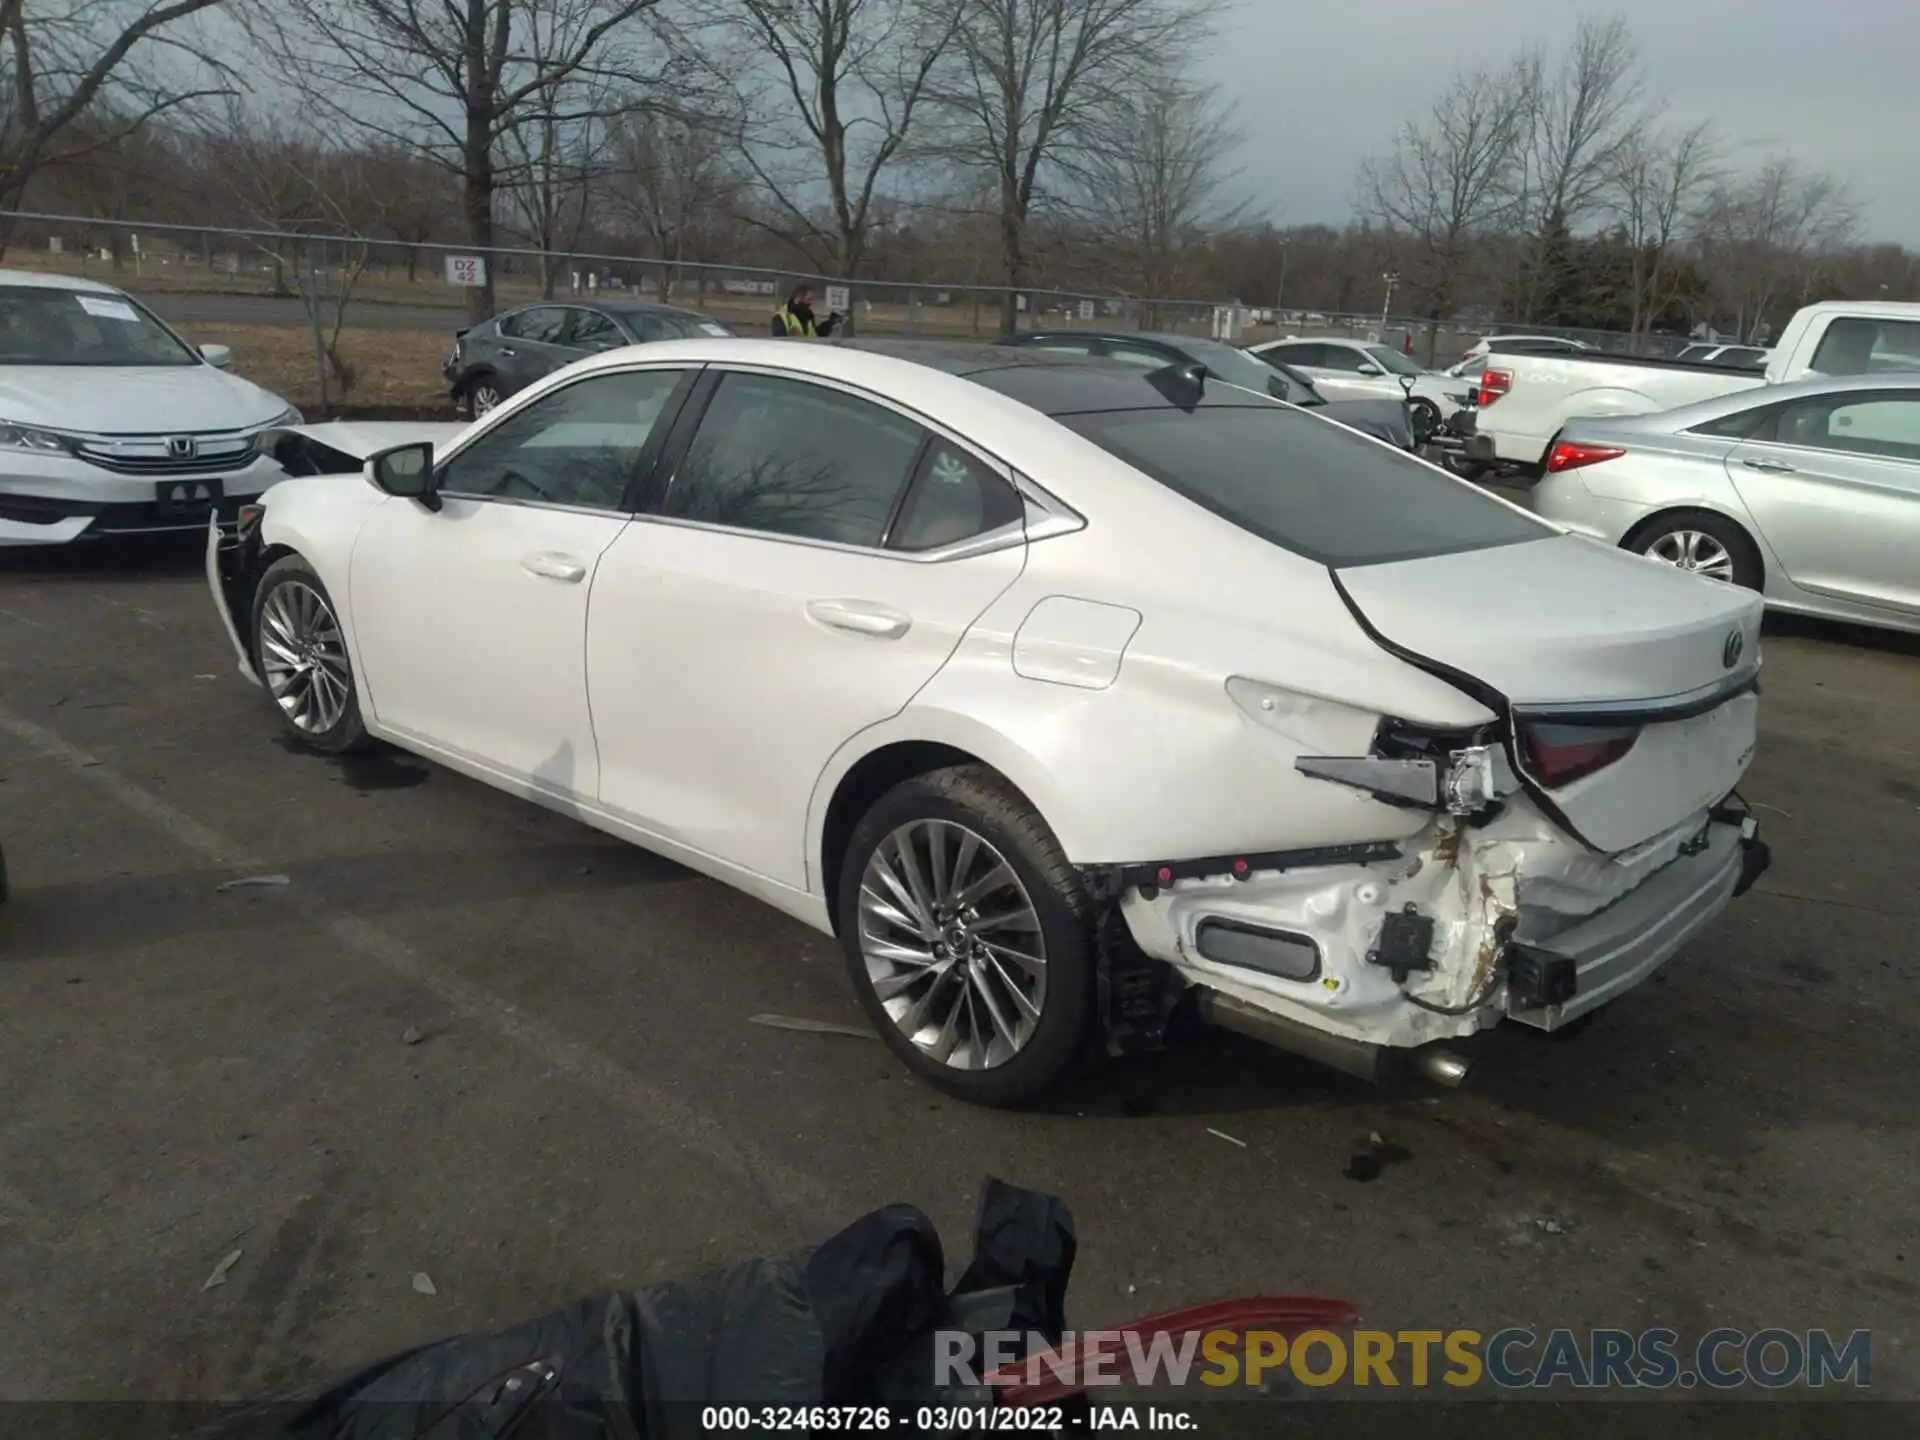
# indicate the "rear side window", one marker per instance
pixel 789 458
pixel 1741 425
pixel 1855 346
pixel 1306 484
pixel 543 323
pixel 954 497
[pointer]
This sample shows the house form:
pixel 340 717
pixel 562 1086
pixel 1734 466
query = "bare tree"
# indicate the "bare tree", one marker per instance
pixel 1580 115
pixel 1447 180
pixel 80 75
pixel 448 79
pixel 408 199
pixel 1152 178
pixel 1033 79
pixel 670 180
pixel 831 106
pixel 1764 238
pixel 1660 180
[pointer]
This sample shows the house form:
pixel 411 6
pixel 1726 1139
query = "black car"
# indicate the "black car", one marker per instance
pixel 1386 420
pixel 497 357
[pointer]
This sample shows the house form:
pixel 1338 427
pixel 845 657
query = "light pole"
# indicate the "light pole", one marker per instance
pixel 1280 292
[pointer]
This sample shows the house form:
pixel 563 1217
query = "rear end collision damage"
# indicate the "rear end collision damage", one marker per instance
pixel 1370 957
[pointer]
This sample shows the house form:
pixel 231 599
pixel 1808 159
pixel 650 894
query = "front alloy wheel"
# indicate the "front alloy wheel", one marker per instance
pixel 301 654
pixel 304 657
pixel 953 946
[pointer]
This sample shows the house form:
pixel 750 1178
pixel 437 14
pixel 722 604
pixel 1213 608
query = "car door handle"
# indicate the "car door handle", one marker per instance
pixel 1771 467
pixel 859 617
pixel 508 351
pixel 550 565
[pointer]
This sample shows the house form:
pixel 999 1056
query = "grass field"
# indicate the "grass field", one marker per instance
pixel 393 369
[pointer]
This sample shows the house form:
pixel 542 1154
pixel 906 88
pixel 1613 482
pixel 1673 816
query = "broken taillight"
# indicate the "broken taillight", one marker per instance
pixel 249 517
pixel 1560 754
pixel 1494 384
pixel 1569 456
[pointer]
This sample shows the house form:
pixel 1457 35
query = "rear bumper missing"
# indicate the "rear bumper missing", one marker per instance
pixel 1468 926
pixel 233 570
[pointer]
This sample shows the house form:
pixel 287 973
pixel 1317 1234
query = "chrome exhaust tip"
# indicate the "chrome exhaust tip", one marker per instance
pixel 1443 1067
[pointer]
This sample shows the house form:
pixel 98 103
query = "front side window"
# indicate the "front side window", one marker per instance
pixel 1883 426
pixel 576 446
pixel 791 458
pixel 1308 486
pixel 1341 358
pixel 41 325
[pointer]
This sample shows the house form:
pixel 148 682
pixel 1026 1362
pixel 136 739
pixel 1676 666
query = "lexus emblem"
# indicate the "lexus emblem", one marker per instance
pixel 1730 652
pixel 182 447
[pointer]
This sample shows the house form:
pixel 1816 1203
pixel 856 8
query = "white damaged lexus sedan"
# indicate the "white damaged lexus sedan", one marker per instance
pixel 1071 697
pixel 110 424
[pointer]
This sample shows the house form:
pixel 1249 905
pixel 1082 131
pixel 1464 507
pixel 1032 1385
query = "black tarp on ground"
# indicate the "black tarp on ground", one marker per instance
pixel 851 1323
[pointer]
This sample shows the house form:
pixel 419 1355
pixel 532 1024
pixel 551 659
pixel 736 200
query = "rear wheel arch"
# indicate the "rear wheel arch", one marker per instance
pixel 1750 569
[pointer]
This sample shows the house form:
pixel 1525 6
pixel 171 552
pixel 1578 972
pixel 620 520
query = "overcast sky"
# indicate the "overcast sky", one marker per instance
pixel 1320 83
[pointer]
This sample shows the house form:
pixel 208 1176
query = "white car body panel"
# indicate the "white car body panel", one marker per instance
pixel 1547 391
pixel 1446 392
pixel 682 694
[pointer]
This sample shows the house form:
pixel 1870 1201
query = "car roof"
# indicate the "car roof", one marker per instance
pixel 41 280
pixel 1045 380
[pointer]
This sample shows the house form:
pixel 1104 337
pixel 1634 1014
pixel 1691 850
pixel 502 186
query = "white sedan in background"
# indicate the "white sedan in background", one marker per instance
pixel 1362 370
pixel 110 424
pixel 1063 692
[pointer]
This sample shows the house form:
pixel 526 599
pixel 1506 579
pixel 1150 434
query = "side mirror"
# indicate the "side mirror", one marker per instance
pixel 406 471
pixel 218 356
pixel 1367 367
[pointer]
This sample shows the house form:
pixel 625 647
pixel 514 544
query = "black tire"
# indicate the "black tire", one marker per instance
pixel 1467 469
pixel 477 380
pixel 1748 571
pixel 347 733
pixel 984 802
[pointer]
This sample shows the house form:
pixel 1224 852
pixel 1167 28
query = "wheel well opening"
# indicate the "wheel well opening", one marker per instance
pixel 1663 518
pixel 865 783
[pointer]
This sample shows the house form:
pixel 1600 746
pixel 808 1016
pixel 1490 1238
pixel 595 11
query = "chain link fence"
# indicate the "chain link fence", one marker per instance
pixel 333 286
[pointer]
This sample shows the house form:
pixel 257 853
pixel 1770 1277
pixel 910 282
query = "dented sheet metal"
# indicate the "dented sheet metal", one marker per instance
pixel 1516 879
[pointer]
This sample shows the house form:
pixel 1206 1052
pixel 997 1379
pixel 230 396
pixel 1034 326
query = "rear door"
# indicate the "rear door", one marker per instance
pixel 1834 484
pixel 533 345
pixel 815 558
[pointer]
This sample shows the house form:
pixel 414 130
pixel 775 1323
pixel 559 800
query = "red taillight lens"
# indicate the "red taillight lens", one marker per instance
pixel 250 516
pixel 1560 754
pixel 1494 384
pixel 1569 456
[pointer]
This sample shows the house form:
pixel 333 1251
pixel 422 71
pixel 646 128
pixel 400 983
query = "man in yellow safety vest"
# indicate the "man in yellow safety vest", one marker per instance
pixel 794 320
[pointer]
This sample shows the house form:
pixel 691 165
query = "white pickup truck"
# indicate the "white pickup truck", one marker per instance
pixel 1523 400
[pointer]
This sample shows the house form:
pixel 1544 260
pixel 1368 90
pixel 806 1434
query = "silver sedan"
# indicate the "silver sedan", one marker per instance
pixel 1808 493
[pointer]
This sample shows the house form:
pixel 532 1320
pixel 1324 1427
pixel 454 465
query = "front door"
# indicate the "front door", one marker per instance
pixel 816 559
pixel 1835 488
pixel 470 621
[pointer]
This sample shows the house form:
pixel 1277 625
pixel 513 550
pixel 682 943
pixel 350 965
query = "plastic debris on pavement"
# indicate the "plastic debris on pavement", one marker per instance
pixel 811 1027
pixel 219 1275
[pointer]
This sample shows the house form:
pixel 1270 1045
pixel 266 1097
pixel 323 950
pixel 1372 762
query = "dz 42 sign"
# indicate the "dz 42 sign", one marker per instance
pixel 466 270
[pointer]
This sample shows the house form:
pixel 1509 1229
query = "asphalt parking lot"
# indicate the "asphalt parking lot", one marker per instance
pixel 471 1040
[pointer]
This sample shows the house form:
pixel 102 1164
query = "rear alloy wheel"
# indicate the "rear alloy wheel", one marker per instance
pixel 1702 544
pixel 967 937
pixel 302 657
pixel 482 394
pixel 1424 416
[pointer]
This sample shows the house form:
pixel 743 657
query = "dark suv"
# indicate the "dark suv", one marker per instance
pixel 498 357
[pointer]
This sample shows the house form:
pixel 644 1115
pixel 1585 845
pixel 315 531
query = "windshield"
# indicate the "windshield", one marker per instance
pixel 1307 485
pixel 1392 361
pixel 40 325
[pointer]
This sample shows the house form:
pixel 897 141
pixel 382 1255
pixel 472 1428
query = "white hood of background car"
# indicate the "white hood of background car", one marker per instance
pixel 133 399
